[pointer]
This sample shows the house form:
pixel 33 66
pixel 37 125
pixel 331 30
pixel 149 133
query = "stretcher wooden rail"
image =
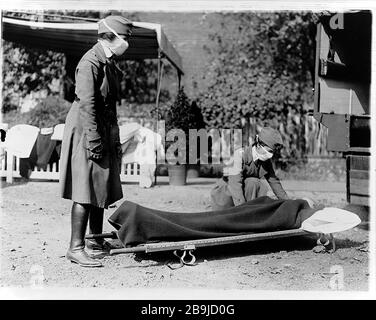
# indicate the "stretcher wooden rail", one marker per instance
pixel 193 244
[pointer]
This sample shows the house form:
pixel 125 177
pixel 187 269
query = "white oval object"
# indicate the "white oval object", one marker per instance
pixel 330 220
pixel 20 140
pixel 58 132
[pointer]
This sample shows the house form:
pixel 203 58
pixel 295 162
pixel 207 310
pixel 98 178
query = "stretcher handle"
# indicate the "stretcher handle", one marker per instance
pixel 110 235
pixel 128 250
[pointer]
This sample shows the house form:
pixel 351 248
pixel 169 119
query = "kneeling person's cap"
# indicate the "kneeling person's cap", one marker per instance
pixel 119 24
pixel 271 137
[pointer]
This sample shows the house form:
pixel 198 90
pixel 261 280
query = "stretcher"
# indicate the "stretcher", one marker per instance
pixel 323 223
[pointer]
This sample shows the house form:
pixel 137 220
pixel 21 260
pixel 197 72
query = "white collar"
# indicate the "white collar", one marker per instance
pixel 254 154
pixel 107 51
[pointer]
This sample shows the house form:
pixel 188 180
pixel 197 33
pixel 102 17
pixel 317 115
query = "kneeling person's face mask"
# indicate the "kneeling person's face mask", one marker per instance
pixel 118 46
pixel 262 153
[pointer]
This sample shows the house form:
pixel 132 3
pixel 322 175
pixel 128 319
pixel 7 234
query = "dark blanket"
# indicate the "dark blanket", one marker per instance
pixel 137 224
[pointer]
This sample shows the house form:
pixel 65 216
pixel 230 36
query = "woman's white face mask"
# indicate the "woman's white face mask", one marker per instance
pixel 118 46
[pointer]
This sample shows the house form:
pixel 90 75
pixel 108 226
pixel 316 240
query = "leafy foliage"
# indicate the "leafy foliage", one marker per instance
pixel 26 70
pixel 182 114
pixel 48 112
pixel 139 83
pixel 261 67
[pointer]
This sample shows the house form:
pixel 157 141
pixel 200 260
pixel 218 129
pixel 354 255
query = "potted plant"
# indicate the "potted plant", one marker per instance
pixel 182 115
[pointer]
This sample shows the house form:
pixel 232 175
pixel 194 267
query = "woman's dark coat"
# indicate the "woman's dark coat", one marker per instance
pixel 89 162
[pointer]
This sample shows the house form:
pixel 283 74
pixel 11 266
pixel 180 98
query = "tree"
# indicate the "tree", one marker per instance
pixel 261 67
pixel 26 70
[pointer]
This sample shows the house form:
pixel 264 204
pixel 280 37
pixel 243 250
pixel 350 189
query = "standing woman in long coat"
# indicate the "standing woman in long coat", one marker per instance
pixel 91 151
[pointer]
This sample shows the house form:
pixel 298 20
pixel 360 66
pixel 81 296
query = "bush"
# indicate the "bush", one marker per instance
pixel 47 113
pixel 184 115
pixel 26 70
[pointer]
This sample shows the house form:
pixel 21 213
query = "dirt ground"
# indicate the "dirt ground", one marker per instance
pixel 35 230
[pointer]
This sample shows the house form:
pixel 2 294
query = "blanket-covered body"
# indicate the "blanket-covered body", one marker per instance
pixel 137 224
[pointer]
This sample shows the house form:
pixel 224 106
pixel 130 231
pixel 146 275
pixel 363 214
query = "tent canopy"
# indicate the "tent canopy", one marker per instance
pixel 74 38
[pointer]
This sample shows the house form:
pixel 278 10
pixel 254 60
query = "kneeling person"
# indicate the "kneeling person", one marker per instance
pixel 241 181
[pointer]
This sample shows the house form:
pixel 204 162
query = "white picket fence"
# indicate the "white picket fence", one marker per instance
pixel 10 168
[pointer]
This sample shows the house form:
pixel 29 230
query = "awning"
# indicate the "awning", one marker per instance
pixel 74 38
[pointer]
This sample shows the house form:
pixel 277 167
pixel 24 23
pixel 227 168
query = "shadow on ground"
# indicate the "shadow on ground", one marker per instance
pixel 16 182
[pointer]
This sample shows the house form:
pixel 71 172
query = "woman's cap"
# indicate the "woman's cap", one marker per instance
pixel 119 24
pixel 271 137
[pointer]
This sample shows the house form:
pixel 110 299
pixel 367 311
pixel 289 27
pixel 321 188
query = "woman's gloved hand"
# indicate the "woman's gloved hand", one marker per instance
pixel 94 145
pixel 96 153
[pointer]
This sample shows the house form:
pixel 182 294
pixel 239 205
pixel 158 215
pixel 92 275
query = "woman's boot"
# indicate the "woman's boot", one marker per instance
pixel 96 247
pixel 76 252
